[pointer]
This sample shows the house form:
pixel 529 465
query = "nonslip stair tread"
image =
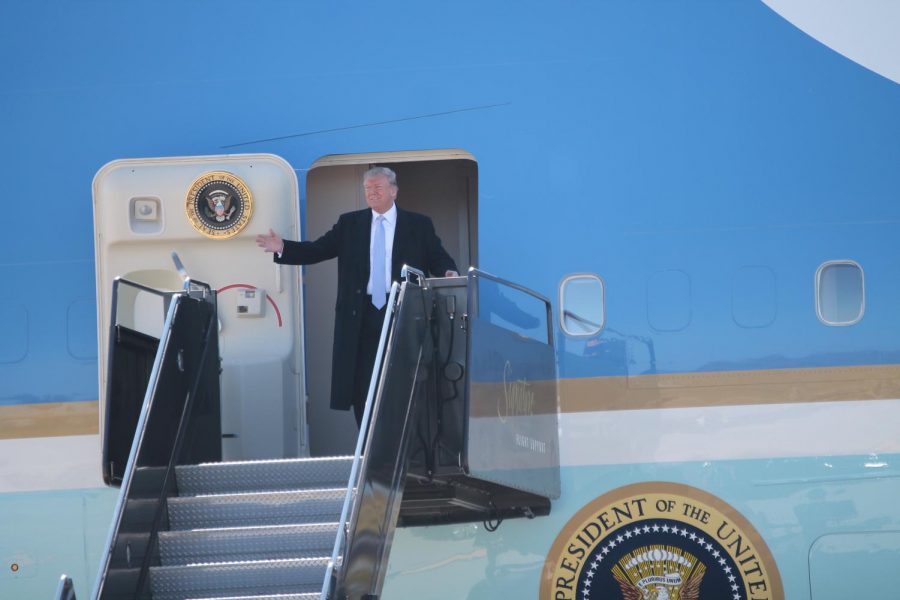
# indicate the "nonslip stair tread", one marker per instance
pixel 255 530
pixel 263 475
pixel 249 531
pixel 299 596
pixel 274 494
pixel 272 577
pixel 247 543
pixel 305 596
pixel 257 508
pixel 275 563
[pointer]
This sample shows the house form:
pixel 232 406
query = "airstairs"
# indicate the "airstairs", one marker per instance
pixel 444 445
pixel 243 529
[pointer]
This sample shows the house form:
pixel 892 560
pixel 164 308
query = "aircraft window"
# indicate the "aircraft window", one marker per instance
pixel 582 305
pixel 14 325
pixel 840 292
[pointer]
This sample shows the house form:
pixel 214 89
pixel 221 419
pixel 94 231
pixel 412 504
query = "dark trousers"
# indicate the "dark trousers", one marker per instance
pixel 372 321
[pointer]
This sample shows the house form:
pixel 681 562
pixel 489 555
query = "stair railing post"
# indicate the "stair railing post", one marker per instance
pixel 348 508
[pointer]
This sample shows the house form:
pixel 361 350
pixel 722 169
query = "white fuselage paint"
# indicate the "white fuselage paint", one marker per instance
pixel 865 31
pixel 50 463
pixel 730 432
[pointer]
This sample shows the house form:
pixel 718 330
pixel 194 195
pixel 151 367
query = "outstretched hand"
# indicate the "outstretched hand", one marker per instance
pixel 270 242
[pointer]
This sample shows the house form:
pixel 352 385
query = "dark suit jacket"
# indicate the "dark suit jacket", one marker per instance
pixel 415 244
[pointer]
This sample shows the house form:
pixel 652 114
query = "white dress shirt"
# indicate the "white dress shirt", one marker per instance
pixel 390 224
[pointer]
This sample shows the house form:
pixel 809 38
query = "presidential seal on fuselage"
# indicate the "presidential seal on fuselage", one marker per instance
pixel 659 541
pixel 219 204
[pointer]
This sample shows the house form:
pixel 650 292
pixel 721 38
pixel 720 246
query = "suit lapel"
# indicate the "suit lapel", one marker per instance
pixel 364 234
pixel 400 230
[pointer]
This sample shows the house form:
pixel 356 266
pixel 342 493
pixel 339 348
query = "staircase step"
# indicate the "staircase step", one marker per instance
pixel 263 475
pixel 309 596
pixel 256 509
pixel 246 543
pixel 236 579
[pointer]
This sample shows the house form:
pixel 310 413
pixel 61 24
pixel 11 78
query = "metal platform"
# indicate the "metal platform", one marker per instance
pixel 262 530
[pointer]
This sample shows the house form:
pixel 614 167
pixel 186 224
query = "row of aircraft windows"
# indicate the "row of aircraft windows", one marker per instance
pixel 839 292
pixel 840 299
pixel 19 325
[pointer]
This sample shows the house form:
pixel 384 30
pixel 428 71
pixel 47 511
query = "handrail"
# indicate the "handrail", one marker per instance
pixel 108 475
pixel 473 294
pixel 65 590
pixel 179 266
pixel 176 446
pixel 181 362
pixel 128 476
pixel 397 388
pixel 348 507
pixel 508 283
pixel 407 272
pixel 140 286
pixel 385 460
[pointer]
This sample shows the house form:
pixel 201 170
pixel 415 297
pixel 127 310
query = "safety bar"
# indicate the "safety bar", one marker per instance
pixel 66 589
pixel 184 377
pixel 356 473
pixel 474 273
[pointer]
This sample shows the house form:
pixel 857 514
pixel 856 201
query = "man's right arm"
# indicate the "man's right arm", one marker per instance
pixel 288 252
pixel 307 253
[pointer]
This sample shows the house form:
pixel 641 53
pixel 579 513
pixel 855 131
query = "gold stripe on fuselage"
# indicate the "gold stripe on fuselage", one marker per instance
pixel 49 419
pixel 640 392
pixel 730 388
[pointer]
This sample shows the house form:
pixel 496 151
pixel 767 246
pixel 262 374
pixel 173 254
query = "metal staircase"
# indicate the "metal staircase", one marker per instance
pixel 242 529
pixel 188 527
pixel 282 528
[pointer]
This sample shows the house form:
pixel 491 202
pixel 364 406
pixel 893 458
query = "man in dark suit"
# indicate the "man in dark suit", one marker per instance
pixel 371 246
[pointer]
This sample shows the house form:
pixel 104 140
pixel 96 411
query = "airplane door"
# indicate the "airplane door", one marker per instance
pixel 442 184
pixel 209 210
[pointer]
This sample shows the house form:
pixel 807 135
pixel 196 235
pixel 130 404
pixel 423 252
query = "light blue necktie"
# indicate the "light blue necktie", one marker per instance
pixel 378 280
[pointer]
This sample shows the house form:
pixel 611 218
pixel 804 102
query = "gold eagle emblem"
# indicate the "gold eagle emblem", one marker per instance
pixel 219 204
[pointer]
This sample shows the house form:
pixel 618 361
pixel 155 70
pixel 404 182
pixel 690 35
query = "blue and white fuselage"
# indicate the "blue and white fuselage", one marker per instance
pixel 726 171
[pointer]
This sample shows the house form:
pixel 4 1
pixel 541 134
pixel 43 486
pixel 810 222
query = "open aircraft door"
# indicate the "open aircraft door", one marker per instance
pixel 208 211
